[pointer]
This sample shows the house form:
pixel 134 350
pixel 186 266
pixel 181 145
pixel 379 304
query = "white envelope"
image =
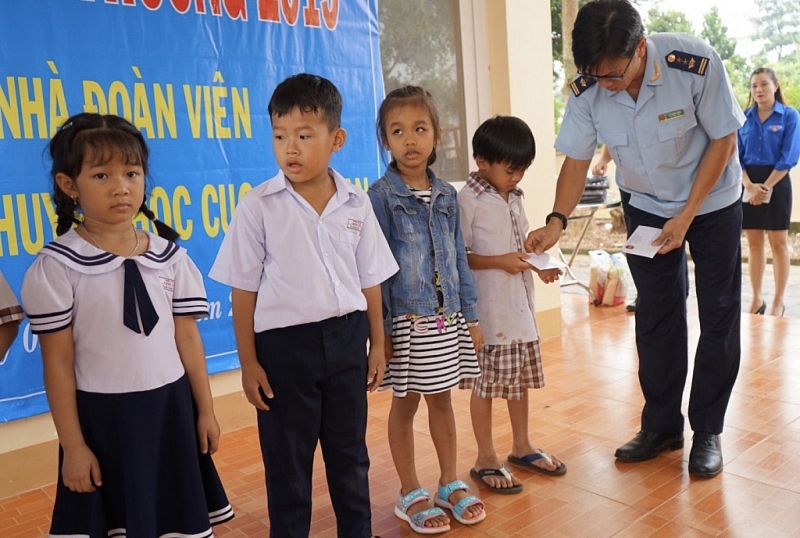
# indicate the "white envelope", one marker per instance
pixel 544 261
pixel 639 243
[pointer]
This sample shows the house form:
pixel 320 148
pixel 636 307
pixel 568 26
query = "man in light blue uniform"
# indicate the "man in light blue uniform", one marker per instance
pixel 664 106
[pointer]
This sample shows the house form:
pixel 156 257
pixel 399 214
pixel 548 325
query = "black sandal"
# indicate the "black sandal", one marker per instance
pixel 503 471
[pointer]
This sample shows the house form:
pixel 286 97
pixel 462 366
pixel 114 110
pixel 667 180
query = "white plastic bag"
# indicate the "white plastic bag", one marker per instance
pixel 608 277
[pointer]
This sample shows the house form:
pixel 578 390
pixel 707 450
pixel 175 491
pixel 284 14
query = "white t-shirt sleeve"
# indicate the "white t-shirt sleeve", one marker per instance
pixel 241 257
pixel 189 295
pixel 374 258
pixel 47 296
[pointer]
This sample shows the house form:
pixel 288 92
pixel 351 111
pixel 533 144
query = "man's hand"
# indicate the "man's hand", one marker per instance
pixel 545 237
pixel 672 234
pixel 599 168
pixel 254 381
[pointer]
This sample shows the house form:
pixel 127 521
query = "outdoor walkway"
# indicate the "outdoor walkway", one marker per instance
pixel 591 405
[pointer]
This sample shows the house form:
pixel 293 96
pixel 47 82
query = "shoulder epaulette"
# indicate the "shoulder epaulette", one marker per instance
pixel 581 84
pixel 687 62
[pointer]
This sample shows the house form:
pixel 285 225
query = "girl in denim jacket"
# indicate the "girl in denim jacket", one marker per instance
pixel 430 307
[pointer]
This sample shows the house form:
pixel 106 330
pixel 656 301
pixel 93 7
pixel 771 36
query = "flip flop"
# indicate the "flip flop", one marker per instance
pixel 503 471
pixel 526 462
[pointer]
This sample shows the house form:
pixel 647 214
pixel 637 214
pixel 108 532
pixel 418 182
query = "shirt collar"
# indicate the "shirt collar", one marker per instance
pixel 778 108
pixel 480 185
pixel 278 183
pixel 399 186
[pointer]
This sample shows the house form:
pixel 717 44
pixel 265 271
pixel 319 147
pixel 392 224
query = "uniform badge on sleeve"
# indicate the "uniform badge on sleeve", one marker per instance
pixel 687 62
pixel 581 84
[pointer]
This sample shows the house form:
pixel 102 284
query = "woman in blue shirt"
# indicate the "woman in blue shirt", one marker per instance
pixel 768 148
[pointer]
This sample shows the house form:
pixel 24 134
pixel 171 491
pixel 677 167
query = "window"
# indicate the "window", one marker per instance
pixel 421 45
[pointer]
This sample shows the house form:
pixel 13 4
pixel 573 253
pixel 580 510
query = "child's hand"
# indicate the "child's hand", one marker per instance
pixel 81 470
pixel 477 336
pixel 549 275
pixel 254 383
pixel 388 350
pixel 376 367
pixel 514 262
pixel 208 433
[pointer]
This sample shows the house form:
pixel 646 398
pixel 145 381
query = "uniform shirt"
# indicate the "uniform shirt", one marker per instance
pixel 771 143
pixel 10 309
pixel 73 283
pixel 505 301
pixel 304 267
pixel 658 141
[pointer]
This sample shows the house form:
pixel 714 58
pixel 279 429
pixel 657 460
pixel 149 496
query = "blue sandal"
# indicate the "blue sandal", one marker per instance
pixel 443 499
pixel 417 521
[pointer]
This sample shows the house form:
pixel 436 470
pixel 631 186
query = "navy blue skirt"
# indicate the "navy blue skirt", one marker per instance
pixel 777 214
pixel 155 480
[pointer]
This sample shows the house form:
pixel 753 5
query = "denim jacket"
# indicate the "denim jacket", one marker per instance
pixel 421 240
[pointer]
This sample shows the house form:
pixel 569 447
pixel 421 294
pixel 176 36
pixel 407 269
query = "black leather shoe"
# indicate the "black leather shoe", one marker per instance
pixel 705 459
pixel 648 445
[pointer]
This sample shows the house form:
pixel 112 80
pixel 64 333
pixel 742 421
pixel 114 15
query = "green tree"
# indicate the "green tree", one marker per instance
pixel 716 33
pixel 778 25
pixel 667 21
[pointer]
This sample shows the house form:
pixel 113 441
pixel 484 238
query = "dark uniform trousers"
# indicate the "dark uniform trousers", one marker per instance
pixel 661 330
pixel 318 374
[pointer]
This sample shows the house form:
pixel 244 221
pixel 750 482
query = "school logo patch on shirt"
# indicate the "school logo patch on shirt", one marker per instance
pixel 353 224
pixel 167 283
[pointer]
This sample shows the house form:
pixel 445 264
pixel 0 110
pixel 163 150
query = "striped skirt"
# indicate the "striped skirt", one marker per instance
pixel 431 354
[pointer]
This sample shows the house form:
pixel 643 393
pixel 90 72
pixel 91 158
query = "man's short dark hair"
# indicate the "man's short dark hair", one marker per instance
pixel 605 29
pixel 309 93
pixel 505 139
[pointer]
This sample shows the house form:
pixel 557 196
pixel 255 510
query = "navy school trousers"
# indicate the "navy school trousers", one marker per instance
pixel 661 327
pixel 318 374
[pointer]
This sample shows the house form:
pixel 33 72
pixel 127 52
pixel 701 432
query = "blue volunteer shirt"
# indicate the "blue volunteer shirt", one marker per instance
pixel 771 143
pixel 658 141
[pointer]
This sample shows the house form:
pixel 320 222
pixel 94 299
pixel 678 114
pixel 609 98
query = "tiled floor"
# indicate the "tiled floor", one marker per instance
pixel 590 405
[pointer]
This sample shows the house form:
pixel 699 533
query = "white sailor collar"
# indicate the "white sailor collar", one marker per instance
pixel 78 254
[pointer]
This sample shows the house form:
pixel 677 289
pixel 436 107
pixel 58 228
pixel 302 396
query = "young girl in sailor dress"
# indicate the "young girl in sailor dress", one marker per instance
pixel 115 310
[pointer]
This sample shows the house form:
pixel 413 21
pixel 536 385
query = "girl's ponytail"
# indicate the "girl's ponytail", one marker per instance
pixel 66 208
pixel 162 229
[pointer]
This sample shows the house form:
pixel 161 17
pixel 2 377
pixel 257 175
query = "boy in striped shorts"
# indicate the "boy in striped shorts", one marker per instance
pixel 494 225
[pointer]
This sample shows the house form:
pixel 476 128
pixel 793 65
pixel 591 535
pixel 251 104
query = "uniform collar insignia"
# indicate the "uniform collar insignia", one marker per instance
pixel 657 71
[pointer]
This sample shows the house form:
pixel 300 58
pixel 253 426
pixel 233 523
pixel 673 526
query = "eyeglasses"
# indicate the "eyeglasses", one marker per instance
pixel 611 77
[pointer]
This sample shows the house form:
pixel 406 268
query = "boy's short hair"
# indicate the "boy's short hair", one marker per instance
pixel 505 139
pixel 309 93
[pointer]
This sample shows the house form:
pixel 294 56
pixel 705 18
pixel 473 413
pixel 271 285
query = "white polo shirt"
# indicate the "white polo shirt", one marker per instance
pixel 505 301
pixel 72 282
pixel 304 267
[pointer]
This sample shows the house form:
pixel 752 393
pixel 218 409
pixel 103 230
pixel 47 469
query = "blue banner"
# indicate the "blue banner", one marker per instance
pixel 196 77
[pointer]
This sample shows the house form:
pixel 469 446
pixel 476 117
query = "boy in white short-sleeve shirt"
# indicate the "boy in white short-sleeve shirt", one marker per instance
pixel 305 257
pixel 494 226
